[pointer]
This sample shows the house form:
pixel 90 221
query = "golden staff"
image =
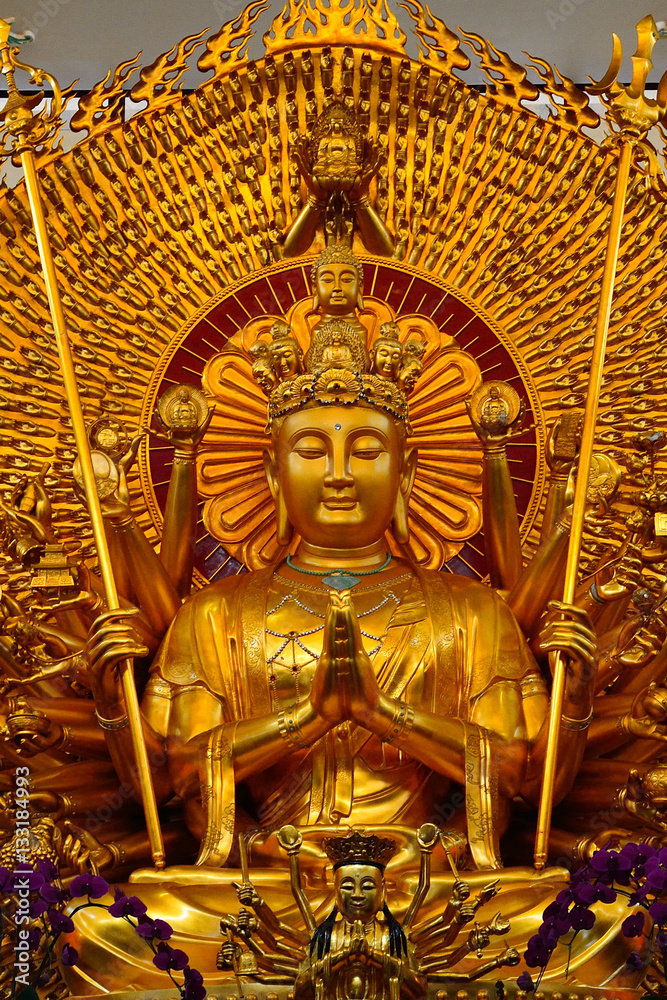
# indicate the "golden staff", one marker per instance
pixel 26 132
pixel 634 115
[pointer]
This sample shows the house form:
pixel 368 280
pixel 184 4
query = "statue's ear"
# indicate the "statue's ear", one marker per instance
pixel 400 529
pixel 360 300
pixel 271 470
pixel 283 525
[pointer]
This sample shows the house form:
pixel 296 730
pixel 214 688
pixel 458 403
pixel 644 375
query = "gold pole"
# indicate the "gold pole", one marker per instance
pixel 633 114
pixel 579 509
pixel 20 122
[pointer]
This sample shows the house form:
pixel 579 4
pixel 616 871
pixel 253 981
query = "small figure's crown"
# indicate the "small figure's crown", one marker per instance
pixel 359 849
pixel 337 368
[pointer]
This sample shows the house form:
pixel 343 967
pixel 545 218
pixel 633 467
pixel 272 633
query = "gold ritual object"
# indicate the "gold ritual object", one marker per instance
pixel 360 373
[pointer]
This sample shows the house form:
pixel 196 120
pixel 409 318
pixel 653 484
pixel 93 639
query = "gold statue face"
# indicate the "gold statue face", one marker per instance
pixel 359 891
pixel 337 288
pixel 387 359
pixel 285 357
pixel 337 472
pixel 409 375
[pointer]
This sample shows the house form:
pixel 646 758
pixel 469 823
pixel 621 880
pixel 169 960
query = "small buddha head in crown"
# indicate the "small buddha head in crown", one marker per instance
pixel 285 351
pixel 262 366
pixel 387 352
pixel 412 365
pixel 336 344
pixel 337 283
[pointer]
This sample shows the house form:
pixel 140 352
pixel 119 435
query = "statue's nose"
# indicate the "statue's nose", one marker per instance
pixel 338 471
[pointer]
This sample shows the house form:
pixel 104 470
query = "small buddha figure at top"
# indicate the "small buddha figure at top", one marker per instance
pixel 338 162
pixel 336 149
pixel 387 352
pixel 337 344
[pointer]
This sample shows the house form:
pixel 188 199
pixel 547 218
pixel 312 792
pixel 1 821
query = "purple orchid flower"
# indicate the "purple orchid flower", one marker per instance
pixel 69 956
pixel 93 886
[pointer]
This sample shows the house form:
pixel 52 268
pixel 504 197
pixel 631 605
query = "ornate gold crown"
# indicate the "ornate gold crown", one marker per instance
pixel 337 368
pixel 359 849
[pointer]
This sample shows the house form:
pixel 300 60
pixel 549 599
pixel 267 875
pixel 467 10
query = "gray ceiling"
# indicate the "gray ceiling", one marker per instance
pixel 84 38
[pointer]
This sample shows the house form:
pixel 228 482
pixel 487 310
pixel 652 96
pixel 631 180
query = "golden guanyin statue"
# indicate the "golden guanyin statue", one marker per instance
pixel 342 685
pixel 348 682
pixel 342 693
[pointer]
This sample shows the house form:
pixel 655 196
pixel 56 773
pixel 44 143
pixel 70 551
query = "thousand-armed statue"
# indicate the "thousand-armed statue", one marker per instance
pixel 377 589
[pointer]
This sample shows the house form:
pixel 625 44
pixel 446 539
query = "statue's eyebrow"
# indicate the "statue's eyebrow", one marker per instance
pixel 379 435
pixel 307 432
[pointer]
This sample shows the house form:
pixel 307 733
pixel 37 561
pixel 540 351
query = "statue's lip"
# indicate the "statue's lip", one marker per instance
pixel 340 503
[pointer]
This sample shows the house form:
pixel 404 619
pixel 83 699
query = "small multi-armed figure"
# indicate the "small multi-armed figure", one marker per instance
pixel 360 950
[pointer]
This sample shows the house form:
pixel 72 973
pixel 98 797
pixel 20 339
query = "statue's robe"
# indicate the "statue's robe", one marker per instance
pixel 453 649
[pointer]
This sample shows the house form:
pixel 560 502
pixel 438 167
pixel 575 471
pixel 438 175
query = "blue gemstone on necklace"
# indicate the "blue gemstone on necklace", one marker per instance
pixel 342 581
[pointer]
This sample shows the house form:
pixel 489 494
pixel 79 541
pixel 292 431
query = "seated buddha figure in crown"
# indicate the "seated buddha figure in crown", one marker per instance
pixel 341 686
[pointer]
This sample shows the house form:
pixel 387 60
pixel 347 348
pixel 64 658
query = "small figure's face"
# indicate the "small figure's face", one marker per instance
pixel 409 377
pixel 336 125
pixel 285 359
pixel 359 891
pixel 264 376
pixel 337 288
pixel 387 360
pixel 338 470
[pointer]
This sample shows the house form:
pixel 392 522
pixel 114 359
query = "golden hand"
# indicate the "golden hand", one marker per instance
pixel 85 600
pixel 111 640
pixel 496 439
pixel 302 157
pixel 572 634
pixel 370 166
pixel 647 718
pixel 247 894
pixel 80 846
pixel 43 734
pixel 116 506
pixel 29 497
pixel 344 686
pixel 460 892
pixel 329 690
pixel 563 444
pixel 184 439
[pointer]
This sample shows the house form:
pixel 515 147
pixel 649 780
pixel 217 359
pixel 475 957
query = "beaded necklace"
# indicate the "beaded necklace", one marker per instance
pixel 339 579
